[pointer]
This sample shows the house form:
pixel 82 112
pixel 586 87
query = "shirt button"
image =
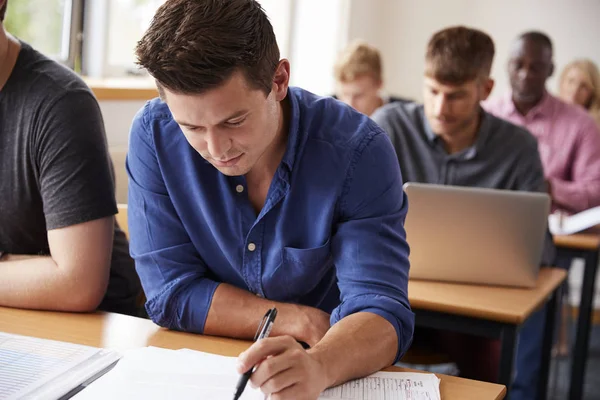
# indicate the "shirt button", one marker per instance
pixel 251 247
pixel 239 188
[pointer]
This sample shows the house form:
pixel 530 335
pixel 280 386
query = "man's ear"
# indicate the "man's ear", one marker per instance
pixel 281 80
pixel 551 70
pixel 487 87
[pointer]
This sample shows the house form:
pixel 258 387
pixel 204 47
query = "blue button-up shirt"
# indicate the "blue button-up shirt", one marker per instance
pixel 330 234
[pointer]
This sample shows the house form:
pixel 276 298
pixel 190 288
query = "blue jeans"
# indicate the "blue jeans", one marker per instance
pixel 529 357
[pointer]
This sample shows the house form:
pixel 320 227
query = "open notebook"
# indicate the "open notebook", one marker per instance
pixel 32 368
pixel 155 373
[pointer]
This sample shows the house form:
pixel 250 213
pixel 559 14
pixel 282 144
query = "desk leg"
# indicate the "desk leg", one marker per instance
pixel 547 344
pixel 508 348
pixel 582 339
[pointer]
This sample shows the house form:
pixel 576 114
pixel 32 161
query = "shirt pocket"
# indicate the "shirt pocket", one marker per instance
pixel 299 272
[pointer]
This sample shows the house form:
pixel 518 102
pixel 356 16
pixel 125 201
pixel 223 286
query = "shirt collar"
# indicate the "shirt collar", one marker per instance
pixel 293 140
pixel 543 109
pixel 431 137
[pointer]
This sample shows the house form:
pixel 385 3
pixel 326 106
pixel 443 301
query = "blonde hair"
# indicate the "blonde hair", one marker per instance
pixel 358 59
pixel 592 75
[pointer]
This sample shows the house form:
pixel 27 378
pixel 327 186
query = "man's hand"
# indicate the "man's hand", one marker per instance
pixel 284 369
pixel 312 324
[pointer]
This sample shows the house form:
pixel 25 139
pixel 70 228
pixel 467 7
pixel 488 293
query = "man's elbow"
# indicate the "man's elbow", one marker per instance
pixel 86 298
pixel 86 302
pixel 86 294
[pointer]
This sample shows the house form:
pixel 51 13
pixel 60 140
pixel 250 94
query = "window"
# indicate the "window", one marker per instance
pixel 280 16
pixel 98 37
pixel 48 25
pixel 127 22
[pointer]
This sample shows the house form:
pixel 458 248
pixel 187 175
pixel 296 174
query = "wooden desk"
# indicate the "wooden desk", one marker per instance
pixel 120 332
pixel 494 312
pixel 586 246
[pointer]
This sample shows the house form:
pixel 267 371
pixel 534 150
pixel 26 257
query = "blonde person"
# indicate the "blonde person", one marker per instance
pixel 580 84
pixel 359 78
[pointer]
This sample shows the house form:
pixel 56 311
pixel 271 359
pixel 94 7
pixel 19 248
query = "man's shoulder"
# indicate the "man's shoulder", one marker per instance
pixel 45 78
pixel 506 132
pixel 153 111
pixel 405 112
pixel 325 119
pixel 575 115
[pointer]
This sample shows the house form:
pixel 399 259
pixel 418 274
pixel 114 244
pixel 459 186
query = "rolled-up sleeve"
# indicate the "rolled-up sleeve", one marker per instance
pixel 170 268
pixel 369 245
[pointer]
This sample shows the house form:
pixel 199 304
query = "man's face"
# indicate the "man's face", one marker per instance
pixel 362 93
pixel 452 108
pixel 529 66
pixel 231 126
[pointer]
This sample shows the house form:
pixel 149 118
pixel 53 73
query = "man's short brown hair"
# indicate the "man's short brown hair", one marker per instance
pixel 196 45
pixel 3 11
pixel 457 55
pixel 358 59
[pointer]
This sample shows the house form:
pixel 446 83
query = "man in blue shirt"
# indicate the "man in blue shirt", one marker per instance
pixel 246 194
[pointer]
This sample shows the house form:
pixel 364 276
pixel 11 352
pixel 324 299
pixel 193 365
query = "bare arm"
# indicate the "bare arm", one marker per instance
pixel 236 313
pixel 356 346
pixel 73 278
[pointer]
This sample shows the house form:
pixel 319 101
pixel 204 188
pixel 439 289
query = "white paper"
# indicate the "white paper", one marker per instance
pixel 154 373
pixel 567 225
pixel 45 369
pixel 387 386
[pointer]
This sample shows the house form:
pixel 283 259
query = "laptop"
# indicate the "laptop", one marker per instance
pixel 474 235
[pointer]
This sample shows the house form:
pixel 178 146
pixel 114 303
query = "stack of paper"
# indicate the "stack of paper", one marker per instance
pixel 46 369
pixel 154 373
pixel 560 224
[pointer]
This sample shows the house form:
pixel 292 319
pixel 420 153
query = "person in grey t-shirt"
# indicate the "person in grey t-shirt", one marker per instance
pixel 61 249
pixel 451 140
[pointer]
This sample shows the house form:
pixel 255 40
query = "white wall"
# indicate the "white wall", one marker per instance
pixel 117 120
pixel 401 29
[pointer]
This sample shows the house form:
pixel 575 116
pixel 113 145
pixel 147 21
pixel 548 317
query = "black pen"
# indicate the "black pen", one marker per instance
pixel 263 332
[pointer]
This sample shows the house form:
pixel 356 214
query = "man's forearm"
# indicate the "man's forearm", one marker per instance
pixel 358 345
pixel 237 313
pixel 36 282
pixel 575 196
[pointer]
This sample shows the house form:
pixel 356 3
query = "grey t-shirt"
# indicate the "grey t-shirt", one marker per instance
pixel 504 156
pixel 55 170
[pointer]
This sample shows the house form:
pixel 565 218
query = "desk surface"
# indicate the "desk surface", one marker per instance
pixel 578 241
pixel 501 304
pixel 122 332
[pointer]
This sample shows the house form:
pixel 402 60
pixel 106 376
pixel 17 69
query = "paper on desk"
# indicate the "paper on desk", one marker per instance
pixel 155 373
pixel 567 225
pixel 388 386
